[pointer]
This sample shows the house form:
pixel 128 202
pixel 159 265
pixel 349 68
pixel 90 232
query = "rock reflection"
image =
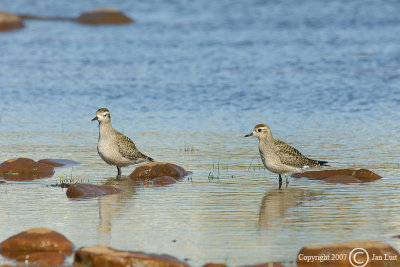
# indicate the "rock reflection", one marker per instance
pixel 276 202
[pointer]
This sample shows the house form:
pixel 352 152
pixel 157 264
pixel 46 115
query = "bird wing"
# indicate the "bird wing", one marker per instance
pixel 291 156
pixel 127 148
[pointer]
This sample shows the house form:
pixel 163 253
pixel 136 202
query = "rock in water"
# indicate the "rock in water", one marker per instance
pixel 156 169
pixel 340 176
pixel 25 169
pixel 37 245
pixel 9 22
pixel 91 190
pixel 104 15
pixel 105 256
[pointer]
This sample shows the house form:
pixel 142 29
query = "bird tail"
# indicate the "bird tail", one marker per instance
pixel 149 159
pixel 322 163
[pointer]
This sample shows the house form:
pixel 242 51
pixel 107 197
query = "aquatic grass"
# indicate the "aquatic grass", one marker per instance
pixel 217 167
pixel 255 168
pixel 188 148
pixel 65 182
pixel 211 176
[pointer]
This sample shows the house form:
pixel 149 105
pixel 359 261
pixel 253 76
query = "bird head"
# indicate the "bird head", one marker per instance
pixel 260 131
pixel 102 115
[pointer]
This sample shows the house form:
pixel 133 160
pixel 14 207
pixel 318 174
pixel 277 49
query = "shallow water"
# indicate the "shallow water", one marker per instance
pixel 186 82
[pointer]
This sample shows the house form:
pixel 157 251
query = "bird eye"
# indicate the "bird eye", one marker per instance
pixel 259 130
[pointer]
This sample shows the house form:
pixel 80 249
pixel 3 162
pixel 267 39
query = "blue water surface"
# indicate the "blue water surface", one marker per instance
pixel 186 82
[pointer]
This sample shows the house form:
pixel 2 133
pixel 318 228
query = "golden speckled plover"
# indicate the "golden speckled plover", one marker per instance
pixel 279 157
pixel 115 148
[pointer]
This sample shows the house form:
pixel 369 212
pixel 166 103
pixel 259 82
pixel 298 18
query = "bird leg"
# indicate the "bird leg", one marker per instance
pixel 119 172
pixel 280 181
pixel 287 180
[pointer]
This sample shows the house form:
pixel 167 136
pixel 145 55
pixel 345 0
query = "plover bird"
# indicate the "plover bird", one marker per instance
pixel 279 157
pixel 115 148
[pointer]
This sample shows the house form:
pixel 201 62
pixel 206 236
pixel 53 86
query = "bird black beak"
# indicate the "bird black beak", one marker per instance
pixel 250 134
pixel 95 119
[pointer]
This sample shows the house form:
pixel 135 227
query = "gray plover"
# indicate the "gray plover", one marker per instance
pixel 115 148
pixel 279 157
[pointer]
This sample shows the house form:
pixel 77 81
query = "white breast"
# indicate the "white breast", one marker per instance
pixel 107 147
pixel 273 163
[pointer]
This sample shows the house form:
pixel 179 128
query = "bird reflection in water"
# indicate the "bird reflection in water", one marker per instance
pixel 276 203
pixel 110 205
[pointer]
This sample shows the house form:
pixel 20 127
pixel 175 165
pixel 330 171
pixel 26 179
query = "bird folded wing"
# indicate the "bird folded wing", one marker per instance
pixel 289 155
pixel 127 148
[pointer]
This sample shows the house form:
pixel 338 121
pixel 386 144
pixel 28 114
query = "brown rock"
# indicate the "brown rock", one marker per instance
pixel 91 190
pixel 268 264
pixel 24 169
pixel 104 15
pixel 42 258
pixel 341 179
pixel 349 251
pixel 105 256
pixel 37 244
pixel 9 22
pixel 366 175
pixel 163 180
pixel 156 169
pixel 363 175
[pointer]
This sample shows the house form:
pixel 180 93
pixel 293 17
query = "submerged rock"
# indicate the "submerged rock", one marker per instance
pixel 37 245
pixel 340 176
pixel 104 15
pixel 25 169
pixel 33 17
pixel 98 16
pixel 59 162
pixel 51 162
pixel 9 22
pixel 156 169
pixel 105 256
pixel 359 251
pixel 43 258
pixel 163 180
pixel 91 190
pixel 341 179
